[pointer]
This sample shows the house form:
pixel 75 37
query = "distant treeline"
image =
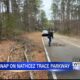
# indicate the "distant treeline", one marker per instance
pixel 66 16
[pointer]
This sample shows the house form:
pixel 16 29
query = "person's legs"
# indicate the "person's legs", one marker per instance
pixel 49 42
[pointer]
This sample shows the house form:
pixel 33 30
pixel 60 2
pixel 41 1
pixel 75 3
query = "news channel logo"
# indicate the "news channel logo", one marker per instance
pixel 76 65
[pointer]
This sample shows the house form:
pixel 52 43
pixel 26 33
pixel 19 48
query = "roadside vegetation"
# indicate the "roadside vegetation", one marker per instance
pixel 20 24
pixel 66 16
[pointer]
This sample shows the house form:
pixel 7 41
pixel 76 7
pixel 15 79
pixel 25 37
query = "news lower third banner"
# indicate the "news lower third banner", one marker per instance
pixel 49 66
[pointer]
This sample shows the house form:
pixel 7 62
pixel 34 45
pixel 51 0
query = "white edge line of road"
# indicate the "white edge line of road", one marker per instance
pixel 53 73
pixel 71 43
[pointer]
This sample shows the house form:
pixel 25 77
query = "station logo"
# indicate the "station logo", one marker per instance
pixel 76 65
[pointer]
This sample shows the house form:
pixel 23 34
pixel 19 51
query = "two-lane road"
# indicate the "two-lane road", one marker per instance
pixel 62 50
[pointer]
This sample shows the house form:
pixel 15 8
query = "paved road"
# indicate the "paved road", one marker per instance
pixel 64 50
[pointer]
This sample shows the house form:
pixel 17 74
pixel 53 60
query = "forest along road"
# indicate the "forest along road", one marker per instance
pixel 64 49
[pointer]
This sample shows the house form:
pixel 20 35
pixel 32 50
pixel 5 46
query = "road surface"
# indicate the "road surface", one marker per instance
pixel 64 49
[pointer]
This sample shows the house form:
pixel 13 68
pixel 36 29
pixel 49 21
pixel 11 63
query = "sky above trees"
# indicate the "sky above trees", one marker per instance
pixel 46 6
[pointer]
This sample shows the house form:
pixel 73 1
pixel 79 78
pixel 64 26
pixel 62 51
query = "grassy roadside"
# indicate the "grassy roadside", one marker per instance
pixel 36 54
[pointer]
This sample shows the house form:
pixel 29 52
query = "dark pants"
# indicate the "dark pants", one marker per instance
pixel 49 43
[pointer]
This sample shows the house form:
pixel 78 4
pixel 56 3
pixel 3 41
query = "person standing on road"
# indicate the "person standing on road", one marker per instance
pixel 50 36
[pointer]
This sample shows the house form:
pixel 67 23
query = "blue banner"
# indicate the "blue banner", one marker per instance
pixel 50 66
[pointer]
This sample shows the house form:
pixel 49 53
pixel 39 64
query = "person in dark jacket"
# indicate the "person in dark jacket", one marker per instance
pixel 50 36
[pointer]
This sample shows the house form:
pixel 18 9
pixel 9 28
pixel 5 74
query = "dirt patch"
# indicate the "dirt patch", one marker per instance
pixel 14 75
pixel 35 37
pixel 5 49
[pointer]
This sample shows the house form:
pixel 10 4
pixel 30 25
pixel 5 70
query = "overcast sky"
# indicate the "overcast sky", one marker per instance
pixel 46 6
